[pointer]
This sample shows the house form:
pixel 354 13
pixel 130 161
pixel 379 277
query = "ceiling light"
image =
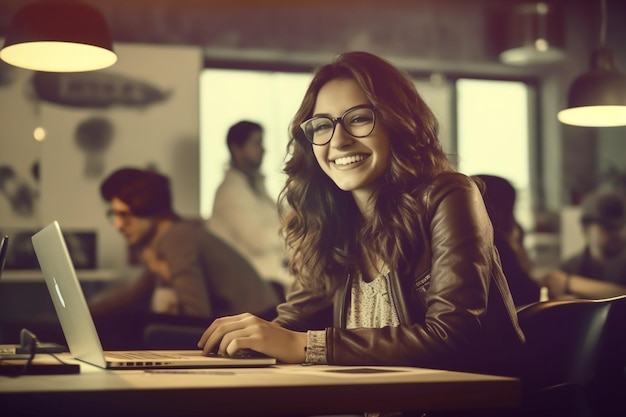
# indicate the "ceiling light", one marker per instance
pixel 535 36
pixel 58 36
pixel 598 97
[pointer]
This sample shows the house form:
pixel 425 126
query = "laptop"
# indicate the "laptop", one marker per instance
pixel 79 328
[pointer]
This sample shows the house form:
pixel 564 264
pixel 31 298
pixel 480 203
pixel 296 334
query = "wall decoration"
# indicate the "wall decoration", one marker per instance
pixel 99 89
pixel 94 136
pixel 18 193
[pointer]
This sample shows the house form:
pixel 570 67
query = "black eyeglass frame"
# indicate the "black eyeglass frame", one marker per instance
pixel 124 215
pixel 339 120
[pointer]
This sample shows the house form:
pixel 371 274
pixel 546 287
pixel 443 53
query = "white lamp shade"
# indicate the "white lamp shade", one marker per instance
pixel 594 116
pixel 58 37
pixel 598 97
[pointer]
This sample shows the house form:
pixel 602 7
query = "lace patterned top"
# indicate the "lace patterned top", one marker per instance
pixel 371 304
pixel 371 307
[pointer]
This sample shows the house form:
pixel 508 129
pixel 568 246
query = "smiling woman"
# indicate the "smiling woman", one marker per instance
pixel 376 220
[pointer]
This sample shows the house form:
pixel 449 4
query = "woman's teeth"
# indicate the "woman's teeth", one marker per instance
pixel 349 159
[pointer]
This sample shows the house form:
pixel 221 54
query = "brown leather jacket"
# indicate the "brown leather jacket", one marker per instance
pixel 454 305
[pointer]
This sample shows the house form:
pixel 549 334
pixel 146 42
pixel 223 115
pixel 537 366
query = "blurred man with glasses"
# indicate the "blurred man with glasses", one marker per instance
pixel 189 275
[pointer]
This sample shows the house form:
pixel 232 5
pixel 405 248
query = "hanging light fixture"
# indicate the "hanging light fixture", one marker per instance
pixel 58 36
pixel 534 35
pixel 598 97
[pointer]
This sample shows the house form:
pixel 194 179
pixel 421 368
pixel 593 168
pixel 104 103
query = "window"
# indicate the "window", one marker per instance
pixel 492 131
pixel 228 96
pixel 493 135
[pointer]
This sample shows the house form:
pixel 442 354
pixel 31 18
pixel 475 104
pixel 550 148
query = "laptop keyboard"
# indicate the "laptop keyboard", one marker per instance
pixel 141 355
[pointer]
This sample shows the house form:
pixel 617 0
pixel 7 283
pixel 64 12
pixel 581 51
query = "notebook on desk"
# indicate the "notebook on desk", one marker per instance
pixel 79 328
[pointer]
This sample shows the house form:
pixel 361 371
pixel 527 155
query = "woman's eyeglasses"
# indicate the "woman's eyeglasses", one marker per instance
pixel 358 122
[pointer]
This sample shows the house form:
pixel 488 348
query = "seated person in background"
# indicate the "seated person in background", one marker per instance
pixel 599 271
pixel 190 276
pixel 393 251
pixel 500 196
pixel 244 215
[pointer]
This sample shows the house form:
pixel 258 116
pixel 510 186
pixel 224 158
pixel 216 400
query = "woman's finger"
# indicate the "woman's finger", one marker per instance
pixel 220 327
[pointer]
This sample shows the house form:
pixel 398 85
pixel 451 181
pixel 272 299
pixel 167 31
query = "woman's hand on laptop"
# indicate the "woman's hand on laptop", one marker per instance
pixel 229 334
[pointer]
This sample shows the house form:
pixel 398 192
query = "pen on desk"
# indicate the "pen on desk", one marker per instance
pixel 187 371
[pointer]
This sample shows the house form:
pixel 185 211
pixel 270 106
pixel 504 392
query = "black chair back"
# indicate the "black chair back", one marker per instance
pixel 563 341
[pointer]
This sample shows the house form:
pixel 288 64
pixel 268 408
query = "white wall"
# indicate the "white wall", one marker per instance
pixel 572 239
pixel 151 97
pixel 18 149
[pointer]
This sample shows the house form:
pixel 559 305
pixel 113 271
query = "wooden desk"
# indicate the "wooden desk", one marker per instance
pixel 284 390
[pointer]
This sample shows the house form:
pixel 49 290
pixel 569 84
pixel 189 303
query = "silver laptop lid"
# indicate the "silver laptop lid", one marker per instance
pixel 67 295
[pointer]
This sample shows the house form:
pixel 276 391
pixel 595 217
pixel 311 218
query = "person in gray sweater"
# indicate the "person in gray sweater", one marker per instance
pixel 189 276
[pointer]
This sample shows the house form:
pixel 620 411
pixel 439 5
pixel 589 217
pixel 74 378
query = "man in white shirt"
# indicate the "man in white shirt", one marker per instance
pixel 244 215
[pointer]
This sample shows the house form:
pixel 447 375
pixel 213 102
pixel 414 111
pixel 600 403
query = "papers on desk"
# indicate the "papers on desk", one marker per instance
pixel 354 371
pixel 363 370
pixel 320 371
pixel 305 369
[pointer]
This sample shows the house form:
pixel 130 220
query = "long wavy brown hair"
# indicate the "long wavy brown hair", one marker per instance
pixel 324 230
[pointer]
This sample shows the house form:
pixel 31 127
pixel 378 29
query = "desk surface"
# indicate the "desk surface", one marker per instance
pixel 283 390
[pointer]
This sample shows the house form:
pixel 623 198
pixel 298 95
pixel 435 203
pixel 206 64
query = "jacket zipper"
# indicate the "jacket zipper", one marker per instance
pixel 392 297
pixel 344 304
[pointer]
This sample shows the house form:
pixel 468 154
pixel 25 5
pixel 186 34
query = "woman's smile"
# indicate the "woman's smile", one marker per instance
pixel 350 161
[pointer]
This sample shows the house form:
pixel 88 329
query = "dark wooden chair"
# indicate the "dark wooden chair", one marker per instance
pixel 563 341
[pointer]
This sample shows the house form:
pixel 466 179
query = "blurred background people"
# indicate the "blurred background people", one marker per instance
pixel 500 196
pixel 189 275
pixel 598 271
pixel 244 215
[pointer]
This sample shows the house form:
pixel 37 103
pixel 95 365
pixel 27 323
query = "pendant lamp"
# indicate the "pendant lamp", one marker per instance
pixel 534 35
pixel 58 36
pixel 598 97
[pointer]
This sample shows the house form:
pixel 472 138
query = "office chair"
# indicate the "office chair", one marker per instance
pixel 563 340
pixel 609 384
